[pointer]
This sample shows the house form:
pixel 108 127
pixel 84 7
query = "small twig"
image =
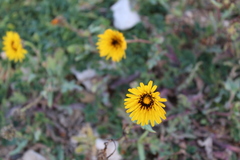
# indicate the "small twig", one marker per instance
pixel 138 41
pixel 113 140
pixel 31 104
pixel 114 148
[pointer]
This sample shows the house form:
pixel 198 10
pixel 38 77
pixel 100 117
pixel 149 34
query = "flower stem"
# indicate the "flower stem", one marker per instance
pixel 140 145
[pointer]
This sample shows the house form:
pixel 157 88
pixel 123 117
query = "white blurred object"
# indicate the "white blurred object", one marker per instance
pixel 3 55
pixel 124 17
pixel 32 155
pixel 110 149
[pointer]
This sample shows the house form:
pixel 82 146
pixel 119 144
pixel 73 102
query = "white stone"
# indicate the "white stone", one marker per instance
pixel 124 17
pixel 32 155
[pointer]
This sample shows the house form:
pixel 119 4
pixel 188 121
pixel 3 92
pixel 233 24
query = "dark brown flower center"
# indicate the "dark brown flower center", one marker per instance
pixel 116 42
pixel 146 101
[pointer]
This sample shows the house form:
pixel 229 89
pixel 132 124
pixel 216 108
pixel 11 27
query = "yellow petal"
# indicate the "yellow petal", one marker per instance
pixel 163 99
pixel 132 108
pixel 153 88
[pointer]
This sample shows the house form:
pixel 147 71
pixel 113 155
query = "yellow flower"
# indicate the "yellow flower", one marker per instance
pixel 145 105
pixel 112 44
pixel 13 47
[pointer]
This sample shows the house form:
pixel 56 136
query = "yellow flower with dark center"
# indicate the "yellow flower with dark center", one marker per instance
pixel 144 105
pixel 13 47
pixel 112 44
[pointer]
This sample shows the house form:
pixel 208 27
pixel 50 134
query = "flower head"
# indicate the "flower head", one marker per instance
pixel 144 105
pixel 112 44
pixel 13 47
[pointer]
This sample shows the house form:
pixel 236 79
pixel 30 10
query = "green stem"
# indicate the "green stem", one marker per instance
pixel 140 145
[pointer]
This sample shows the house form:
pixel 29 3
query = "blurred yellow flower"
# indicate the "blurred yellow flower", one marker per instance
pixel 145 105
pixel 13 47
pixel 112 44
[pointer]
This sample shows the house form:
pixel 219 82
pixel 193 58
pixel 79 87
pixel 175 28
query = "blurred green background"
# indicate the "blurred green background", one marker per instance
pixel 64 96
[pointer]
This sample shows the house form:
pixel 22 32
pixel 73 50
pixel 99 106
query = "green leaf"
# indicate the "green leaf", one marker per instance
pixel 60 154
pixel 148 128
pixel 215 3
pixel 37 134
pixel 69 86
pixel 50 98
pixel 20 147
pixel 233 86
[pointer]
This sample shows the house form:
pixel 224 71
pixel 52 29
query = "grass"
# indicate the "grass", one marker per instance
pixel 193 58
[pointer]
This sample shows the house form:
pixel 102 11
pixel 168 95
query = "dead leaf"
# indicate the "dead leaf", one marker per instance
pixel 87 97
pixel 208 143
pixel 85 77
